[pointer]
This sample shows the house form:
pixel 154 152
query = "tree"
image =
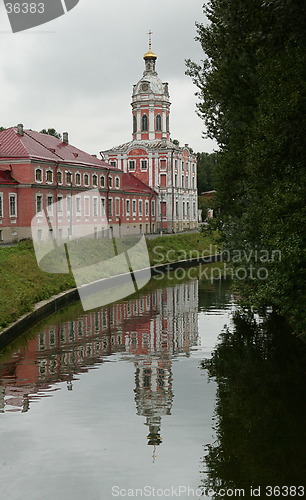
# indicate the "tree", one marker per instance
pixel 206 171
pixel 2 128
pixel 252 98
pixel 51 131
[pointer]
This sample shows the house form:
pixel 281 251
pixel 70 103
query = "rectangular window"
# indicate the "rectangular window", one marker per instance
pixel 163 164
pixel 176 208
pixel 117 206
pixel 1 235
pixel 147 207
pixel 175 180
pixel 113 164
pixel 86 207
pixel 38 175
pixel 132 165
pixel 95 206
pixel 182 181
pixel 110 207
pixel 49 176
pixel 140 208
pixel 153 207
pixel 60 204
pixel 1 204
pixel 13 205
pixel 184 209
pixel 127 207
pixel 68 204
pixel 50 204
pixel 78 179
pixel 143 165
pixel 78 205
pixel 59 177
pixel 187 182
pixel 103 207
pixel 134 207
pixel 39 203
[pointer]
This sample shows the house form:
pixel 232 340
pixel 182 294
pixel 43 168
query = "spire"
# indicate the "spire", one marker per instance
pixel 150 54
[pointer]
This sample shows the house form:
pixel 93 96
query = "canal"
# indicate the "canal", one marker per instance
pixel 168 393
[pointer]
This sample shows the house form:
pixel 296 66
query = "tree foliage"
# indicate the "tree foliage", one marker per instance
pixel 51 131
pixel 252 98
pixel 206 171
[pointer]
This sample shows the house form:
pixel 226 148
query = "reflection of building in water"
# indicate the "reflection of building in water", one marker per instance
pixel 150 327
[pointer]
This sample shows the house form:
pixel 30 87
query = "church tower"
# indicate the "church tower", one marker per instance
pixel 155 159
pixel 150 103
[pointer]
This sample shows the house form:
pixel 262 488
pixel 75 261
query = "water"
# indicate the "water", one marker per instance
pixel 115 402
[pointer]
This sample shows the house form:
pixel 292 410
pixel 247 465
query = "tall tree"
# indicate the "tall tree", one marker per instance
pixel 252 98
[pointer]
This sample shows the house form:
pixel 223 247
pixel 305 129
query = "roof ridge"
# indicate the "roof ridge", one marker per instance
pixel 43 145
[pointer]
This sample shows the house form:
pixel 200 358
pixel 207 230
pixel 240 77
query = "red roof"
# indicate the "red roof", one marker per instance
pixel 43 147
pixel 130 183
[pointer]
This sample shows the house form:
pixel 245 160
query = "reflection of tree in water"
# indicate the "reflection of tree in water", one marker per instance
pixel 260 409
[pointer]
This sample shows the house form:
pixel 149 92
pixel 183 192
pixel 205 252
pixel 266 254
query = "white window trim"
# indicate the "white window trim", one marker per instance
pixel 102 177
pixel 68 172
pixel 85 213
pixel 1 206
pixel 42 175
pixel 153 208
pixel 49 170
pixel 50 207
pixel 95 176
pixel 117 178
pixel 117 205
pixel 134 202
pixel 42 203
pixel 110 181
pixel 140 210
pixel 61 172
pixel 128 203
pixel 102 206
pixel 78 212
pixel 84 176
pixel 146 167
pixel 129 167
pixel 95 206
pixel 147 208
pixel 75 178
pixel 110 203
pixel 59 204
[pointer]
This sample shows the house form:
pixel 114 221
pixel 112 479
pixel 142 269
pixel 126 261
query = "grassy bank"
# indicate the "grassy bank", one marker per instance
pixel 23 283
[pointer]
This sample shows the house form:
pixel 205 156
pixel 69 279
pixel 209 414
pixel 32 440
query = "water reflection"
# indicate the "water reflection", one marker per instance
pixel 148 330
pixel 260 410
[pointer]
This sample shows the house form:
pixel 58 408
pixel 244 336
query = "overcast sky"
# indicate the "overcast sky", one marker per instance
pixel 76 73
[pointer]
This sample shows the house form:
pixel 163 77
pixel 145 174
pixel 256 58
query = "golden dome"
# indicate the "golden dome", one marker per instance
pixel 150 55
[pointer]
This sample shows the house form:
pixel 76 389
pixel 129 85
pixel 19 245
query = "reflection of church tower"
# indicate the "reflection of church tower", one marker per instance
pixel 153 392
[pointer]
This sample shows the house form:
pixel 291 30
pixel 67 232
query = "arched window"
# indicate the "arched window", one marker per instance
pixel 158 122
pixel 144 123
pixel 134 124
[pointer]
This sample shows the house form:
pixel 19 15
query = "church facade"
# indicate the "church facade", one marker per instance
pixel 153 158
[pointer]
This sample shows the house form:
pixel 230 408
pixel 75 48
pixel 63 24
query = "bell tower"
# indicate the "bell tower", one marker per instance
pixel 150 102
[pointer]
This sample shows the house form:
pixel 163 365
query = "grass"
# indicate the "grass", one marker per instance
pixel 23 283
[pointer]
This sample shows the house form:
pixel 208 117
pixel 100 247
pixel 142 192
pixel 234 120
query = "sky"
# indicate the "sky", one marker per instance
pixel 76 73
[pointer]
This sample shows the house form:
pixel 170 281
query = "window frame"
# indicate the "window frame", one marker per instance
pixel 13 196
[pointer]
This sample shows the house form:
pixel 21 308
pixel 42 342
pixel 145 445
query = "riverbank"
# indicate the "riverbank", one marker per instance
pixel 23 284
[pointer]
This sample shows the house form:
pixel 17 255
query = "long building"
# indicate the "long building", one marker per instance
pixel 154 158
pixel 43 175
